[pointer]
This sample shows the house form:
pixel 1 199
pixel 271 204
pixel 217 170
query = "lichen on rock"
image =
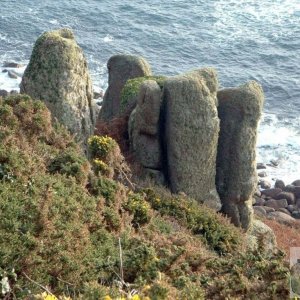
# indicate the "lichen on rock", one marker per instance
pixel 239 111
pixel 191 134
pixel 58 75
pixel 121 68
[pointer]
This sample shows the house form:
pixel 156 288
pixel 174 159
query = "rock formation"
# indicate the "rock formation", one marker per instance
pixel 120 68
pixel 57 74
pixel 191 134
pixel 144 129
pixel 239 111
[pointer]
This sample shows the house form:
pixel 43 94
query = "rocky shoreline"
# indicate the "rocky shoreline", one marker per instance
pixel 280 202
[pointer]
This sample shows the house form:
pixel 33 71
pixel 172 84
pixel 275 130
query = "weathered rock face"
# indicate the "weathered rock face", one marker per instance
pixel 262 237
pixel 120 68
pixel 57 74
pixel 144 133
pixel 191 134
pixel 239 111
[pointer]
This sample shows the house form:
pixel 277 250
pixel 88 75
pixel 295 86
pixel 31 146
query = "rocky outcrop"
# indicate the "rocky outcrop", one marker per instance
pixel 57 74
pixel 239 111
pixel 121 68
pixel 144 131
pixel 262 238
pixel 191 134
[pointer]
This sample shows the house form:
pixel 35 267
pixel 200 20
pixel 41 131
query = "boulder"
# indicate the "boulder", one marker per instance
pixel 284 210
pixel 289 188
pixel 257 193
pixel 296 182
pixel 264 184
pixel 261 166
pixel 4 93
pixel 191 134
pixel 291 208
pixel 281 217
pixel 276 204
pixel 12 74
pixel 262 174
pixel 239 111
pixel 296 214
pixel 279 184
pixel 12 65
pixel 120 69
pixel 271 192
pixel 57 74
pixel 260 211
pixel 144 134
pixel 290 197
pixel 269 209
pixel 262 238
pixel 259 201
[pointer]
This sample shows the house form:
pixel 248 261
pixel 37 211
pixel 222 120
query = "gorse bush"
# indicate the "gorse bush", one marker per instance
pixel 101 146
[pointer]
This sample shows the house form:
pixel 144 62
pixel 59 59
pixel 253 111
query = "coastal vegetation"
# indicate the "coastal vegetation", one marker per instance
pixel 73 227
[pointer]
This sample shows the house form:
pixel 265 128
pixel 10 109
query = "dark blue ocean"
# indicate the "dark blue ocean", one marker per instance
pixel 243 40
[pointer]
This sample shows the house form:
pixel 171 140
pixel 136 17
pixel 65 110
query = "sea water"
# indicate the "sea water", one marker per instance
pixel 243 40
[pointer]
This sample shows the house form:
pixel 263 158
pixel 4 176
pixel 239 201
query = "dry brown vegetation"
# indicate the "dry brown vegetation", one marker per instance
pixel 286 236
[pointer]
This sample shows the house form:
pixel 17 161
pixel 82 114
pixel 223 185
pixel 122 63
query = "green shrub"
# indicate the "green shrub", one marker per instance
pixel 70 163
pixel 101 146
pixel 221 236
pixel 111 218
pixel 131 89
pixel 107 188
pixel 140 208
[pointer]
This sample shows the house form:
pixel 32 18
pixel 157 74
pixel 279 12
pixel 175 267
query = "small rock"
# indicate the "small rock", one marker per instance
pixel 290 197
pixel 12 65
pixel 291 208
pixel 297 191
pixel 4 71
pixel 12 74
pixel 289 188
pixel 281 217
pixel 98 95
pixel 276 204
pixel 284 210
pixel 260 211
pixel 279 184
pixel 262 174
pixel 296 214
pixel 296 182
pixel 269 209
pixel 275 163
pixel 260 166
pixel 261 233
pixel 265 184
pixel 271 192
pixel 257 193
pixel 259 201
pixel 3 93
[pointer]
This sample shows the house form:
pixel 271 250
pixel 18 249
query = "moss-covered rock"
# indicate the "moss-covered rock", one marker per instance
pixel 130 91
pixel 57 74
pixel 239 111
pixel 121 68
pixel 191 134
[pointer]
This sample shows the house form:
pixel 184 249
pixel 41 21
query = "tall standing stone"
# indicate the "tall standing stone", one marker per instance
pixel 239 111
pixel 191 134
pixel 144 130
pixel 120 69
pixel 57 74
